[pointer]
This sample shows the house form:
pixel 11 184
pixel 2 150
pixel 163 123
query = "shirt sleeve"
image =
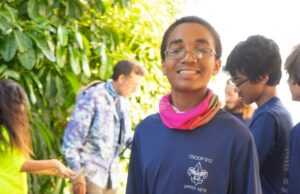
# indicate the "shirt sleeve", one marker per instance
pixel 245 171
pixel 264 130
pixel 77 130
pixel 135 176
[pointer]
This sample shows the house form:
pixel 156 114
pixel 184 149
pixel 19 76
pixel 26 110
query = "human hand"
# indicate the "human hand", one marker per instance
pixel 62 170
pixel 79 185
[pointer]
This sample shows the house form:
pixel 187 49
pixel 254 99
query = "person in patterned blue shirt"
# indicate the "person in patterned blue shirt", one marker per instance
pixel 99 129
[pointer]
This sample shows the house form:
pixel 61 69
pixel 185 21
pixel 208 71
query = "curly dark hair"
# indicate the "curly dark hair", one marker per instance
pixel 191 19
pixel 256 57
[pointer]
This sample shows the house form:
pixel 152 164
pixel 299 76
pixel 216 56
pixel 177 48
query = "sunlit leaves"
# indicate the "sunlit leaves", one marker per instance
pixel 62 35
pixel 43 44
pixel 61 56
pixel 75 60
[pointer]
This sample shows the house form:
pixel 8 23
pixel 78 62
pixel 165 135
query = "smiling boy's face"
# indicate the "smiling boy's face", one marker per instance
pixel 190 73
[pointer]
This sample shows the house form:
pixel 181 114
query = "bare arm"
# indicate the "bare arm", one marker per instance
pixel 51 167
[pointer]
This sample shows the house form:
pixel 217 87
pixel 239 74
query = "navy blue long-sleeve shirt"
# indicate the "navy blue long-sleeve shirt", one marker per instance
pixel 217 158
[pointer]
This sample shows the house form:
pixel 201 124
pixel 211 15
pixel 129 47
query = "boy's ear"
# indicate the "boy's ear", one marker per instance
pixel 121 78
pixel 264 79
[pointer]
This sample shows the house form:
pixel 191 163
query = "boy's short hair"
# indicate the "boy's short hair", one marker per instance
pixel 255 57
pixel 191 19
pixel 126 67
pixel 292 65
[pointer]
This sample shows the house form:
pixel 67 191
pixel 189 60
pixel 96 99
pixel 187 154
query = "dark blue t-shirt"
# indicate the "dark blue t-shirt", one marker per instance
pixel 217 158
pixel 270 126
pixel 294 168
pixel 240 116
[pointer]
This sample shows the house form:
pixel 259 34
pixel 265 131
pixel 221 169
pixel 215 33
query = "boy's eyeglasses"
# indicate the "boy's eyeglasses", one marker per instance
pixel 237 84
pixel 199 53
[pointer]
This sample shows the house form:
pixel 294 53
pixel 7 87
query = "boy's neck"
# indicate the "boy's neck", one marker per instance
pixel 268 93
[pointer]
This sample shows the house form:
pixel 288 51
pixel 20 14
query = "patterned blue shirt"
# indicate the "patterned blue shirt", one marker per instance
pixel 91 140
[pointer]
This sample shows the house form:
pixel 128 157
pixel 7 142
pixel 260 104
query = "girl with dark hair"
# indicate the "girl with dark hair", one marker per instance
pixel 15 143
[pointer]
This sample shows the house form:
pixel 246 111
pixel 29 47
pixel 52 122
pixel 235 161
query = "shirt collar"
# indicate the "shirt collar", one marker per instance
pixel 110 89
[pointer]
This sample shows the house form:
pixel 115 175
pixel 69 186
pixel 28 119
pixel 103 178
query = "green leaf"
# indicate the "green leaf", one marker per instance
pixel 36 80
pixel 85 65
pixel 3 68
pixel 9 13
pixel 11 74
pixel 23 41
pixel 29 86
pixel 105 70
pixel 27 59
pixel 79 40
pixel 50 85
pixel 74 61
pixel 74 8
pixel 103 54
pixel 44 9
pixel 86 45
pixel 61 55
pixel 62 35
pixel 41 43
pixel 8 47
pixel 60 90
pixel 73 81
pixel 5 26
pixel 33 9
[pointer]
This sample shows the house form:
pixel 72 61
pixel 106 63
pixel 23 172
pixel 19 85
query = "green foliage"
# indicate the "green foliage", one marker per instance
pixel 53 47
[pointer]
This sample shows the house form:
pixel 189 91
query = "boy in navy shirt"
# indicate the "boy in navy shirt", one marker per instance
pixel 255 68
pixel 292 66
pixel 192 146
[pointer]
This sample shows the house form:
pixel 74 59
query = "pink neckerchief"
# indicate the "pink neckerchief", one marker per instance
pixel 197 116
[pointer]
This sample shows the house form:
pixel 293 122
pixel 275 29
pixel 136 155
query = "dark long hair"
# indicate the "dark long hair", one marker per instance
pixel 14 118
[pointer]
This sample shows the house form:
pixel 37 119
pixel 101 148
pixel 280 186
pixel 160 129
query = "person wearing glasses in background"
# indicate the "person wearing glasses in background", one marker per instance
pixel 192 145
pixel 235 106
pixel 292 66
pixel 255 68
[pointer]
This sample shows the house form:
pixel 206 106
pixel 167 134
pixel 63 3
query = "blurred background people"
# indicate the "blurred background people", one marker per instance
pixel 100 128
pixel 255 68
pixel 235 105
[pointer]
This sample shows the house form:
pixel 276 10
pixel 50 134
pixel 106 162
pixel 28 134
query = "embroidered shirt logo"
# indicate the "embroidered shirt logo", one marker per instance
pixel 197 174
